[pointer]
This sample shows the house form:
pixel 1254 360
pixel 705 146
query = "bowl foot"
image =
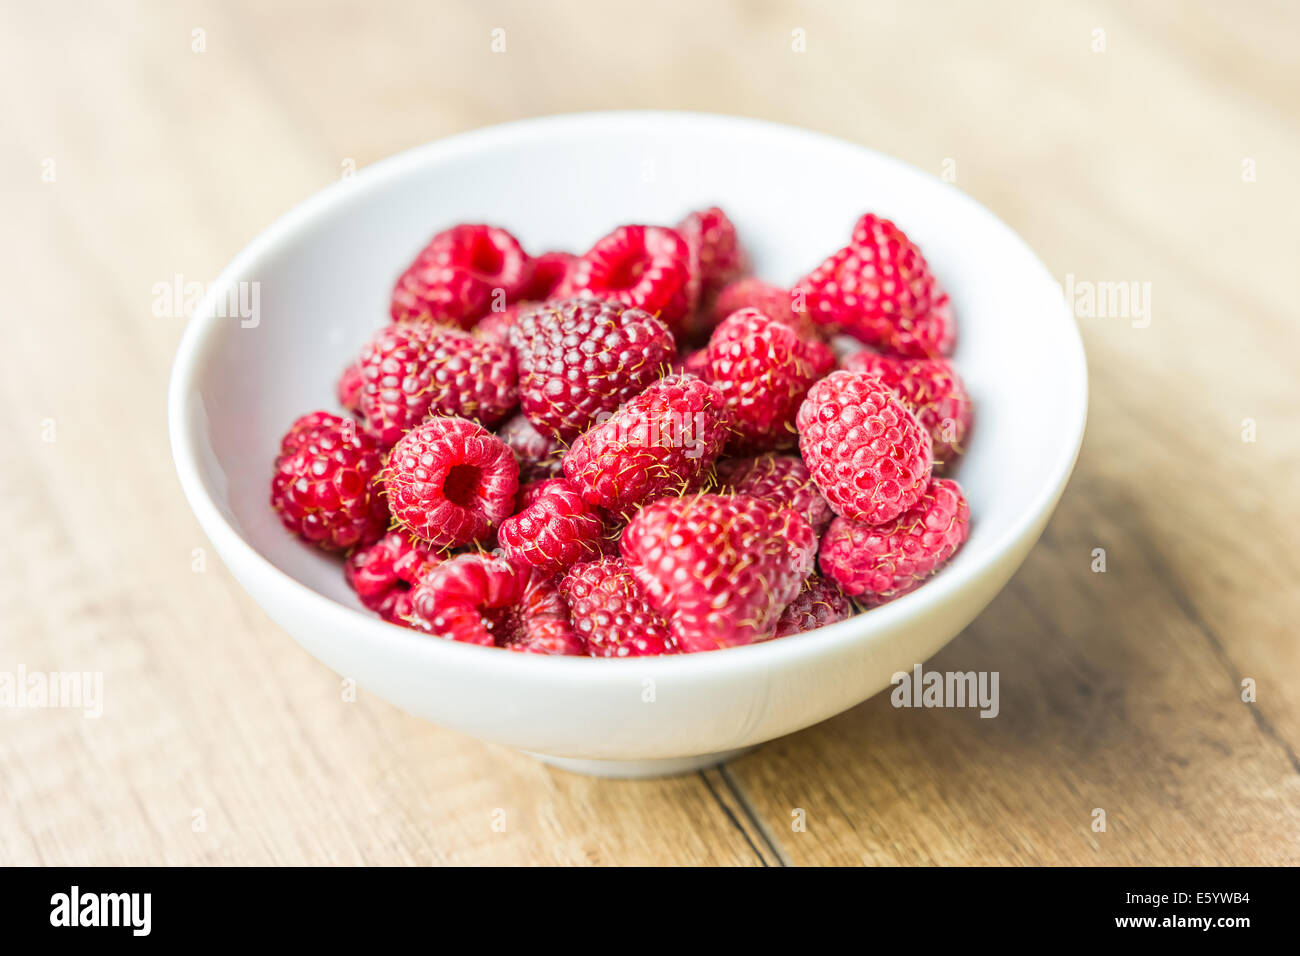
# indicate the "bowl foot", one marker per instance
pixel 640 769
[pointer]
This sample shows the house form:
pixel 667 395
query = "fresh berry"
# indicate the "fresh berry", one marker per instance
pixel 610 611
pixel 818 604
pixel 716 254
pixel 877 563
pixel 763 370
pixel 581 357
pixel 868 454
pixel 324 486
pixel 933 392
pixel 410 369
pixel 460 274
pixel 479 599
pixel 660 442
pixel 496 325
pixel 554 530
pixel 349 388
pixel 784 479
pixel 538 456
pixel 646 267
pixel 721 568
pixel 880 290
pixel 549 272
pixel 450 482
pixel 769 299
pixel 384 573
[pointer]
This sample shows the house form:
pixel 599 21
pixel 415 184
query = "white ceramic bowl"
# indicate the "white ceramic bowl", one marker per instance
pixel 324 272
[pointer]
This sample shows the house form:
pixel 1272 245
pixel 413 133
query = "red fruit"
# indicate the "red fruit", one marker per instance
pixel 450 482
pixel 931 390
pixel 555 528
pixel 695 363
pixel 879 289
pixel 580 357
pixel 721 568
pixel 538 456
pixel 818 604
pixel 610 611
pixel 490 601
pixel 646 267
pixel 495 326
pixel 410 369
pixel 383 574
pixel 456 277
pixel 716 254
pixel 349 388
pixel 324 487
pixel 763 370
pixel 868 454
pixel 784 479
pixel 771 300
pixel 877 563
pixel 661 441
pixel 550 270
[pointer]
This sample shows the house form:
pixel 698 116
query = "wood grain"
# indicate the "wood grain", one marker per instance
pixel 222 742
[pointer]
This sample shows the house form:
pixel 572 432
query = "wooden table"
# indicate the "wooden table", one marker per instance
pixel 146 141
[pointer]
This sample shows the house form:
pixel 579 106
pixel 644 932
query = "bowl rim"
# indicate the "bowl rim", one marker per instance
pixel 200 336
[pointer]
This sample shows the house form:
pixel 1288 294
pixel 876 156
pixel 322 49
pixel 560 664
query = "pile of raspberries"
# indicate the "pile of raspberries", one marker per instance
pixel 640 450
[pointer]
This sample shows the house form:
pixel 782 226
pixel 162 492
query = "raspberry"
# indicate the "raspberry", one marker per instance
pixel 877 563
pixel 383 574
pixel 721 568
pixel 324 486
pixel 662 440
pixel 412 368
pixel 555 528
pixel 581 357
pixel 880 290
pixel 490 601
pixel 819 603
pixel 716 254
pixel 550 270
pixel 646 267
pixel 450 482
pixel 771 300
pixel 495 326
pixel 763 370
pixel 455 277
pixel 349 388
pixel 868 454
pixel 931 390
pixel 538 456
pixel 610 611
pixel 784 479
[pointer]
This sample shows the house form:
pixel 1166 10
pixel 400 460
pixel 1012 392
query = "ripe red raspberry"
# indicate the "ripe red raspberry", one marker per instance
pixel 549 272
pixel 538 456
pixel 646 267
pixel 450 482
pixel 455 277
pixel 880 290
pixel 410 369
pixel 784 479
pixel 819 603
pixel 877 563
pixel 384 573
pixel 785 305
pixel 763 370
pixel 581 357
pixel 721 568
pixel 490 601
pixel 931 390
pixel 661 441
pixel 349 388
pixel 716 254
pixel 324 487
pixel 868 454
pixel 554 530
pixel 610 611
